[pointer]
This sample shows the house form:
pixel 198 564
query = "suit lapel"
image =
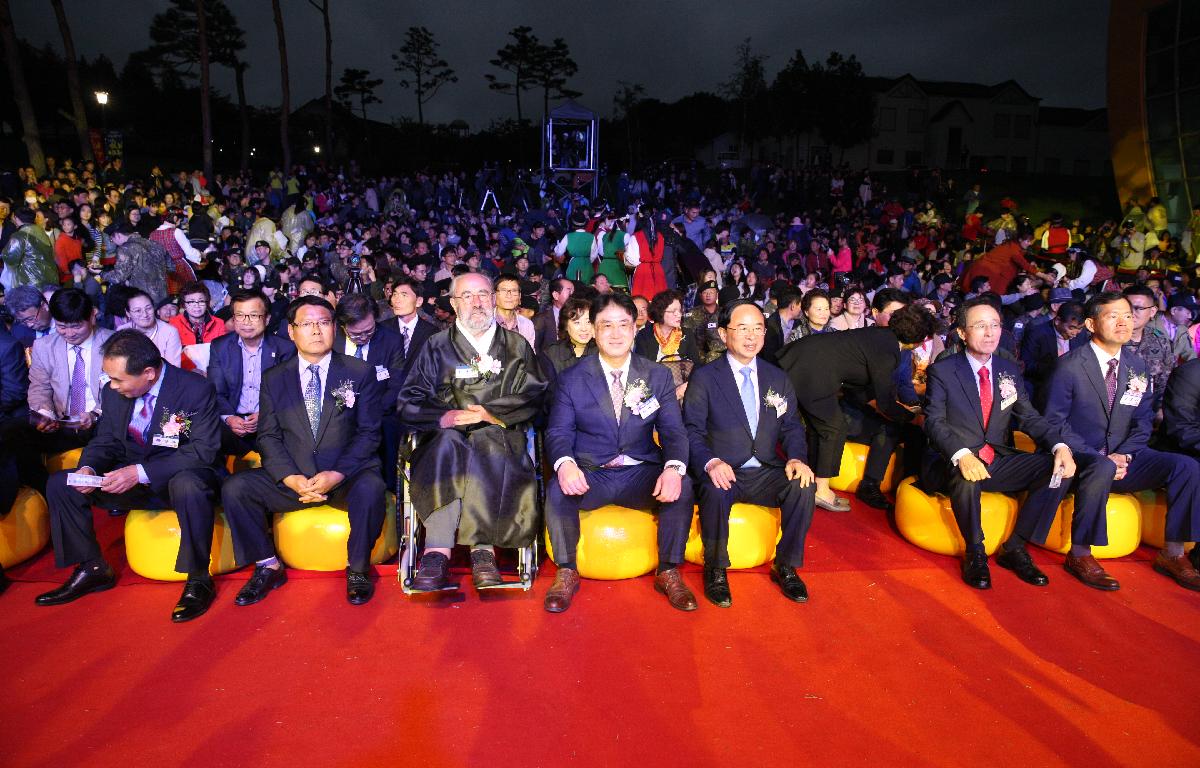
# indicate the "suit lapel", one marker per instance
pixel 1120 415
pixel 730 387
pixel 328 406
pixel 598 384
pixel 296 407
pixel 971 387
pixel 1091 369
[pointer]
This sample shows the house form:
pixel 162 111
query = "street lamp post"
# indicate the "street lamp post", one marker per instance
pixel 102 100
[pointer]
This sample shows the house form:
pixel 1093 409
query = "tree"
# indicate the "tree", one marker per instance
pixel 518 58
pixel 285 89
pixel 419 57
pixel 847 116
pixel 324 9
pixel 16 73
pixel 358 83
pixel 552 68
pixel 73 87
pixel 205 111
pixel 174 53
pixel 627 97
pixel 747 83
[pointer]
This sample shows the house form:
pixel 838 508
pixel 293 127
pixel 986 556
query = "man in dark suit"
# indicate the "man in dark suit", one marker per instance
pixel 545 323
pixel 413 329
pixel 862 360
pixel 1043 344
pixel 1181 419
pixel 156 445
pixel 600 440
pixel 236 363
pixel 31 314
pixel 14 389
pixel 318 434
pixel 782 322
pixel 973 400
pixel 737 412
pixel 359 335
pixel 1102 396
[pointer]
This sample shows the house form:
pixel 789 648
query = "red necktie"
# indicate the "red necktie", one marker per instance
pixel 985 401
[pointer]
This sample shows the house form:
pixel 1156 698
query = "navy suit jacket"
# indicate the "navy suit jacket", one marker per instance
pixel 1077 402
pixel 420 334
pixel 225 367
pixel 14 376
pixel 954 415
pixel 347 438
pixel 716 419
pixel 1039 353
pixel 583 426
pixel 1181 409
pixel 182 392
pixel 386 351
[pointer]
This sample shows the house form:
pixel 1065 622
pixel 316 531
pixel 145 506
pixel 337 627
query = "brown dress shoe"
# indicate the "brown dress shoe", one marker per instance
pixel 484 571
pixel 566 584
pixel 670 583
pixel 1087 570
pixel 1178 568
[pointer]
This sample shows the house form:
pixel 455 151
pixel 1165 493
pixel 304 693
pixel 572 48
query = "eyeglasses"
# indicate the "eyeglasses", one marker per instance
pixel 29 317
pixel 747 330
pixel 140 311
pixel 308 326
pixel 195 302
pixel 1137 308
pixel 993 326
pixel 469 296
pixel 247 317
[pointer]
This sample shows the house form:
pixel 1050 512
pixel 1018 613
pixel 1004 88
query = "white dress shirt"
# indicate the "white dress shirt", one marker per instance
pixel 975 368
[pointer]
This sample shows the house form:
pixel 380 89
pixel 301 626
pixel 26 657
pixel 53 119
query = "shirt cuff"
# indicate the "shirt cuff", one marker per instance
pixel 678 466
pixel 1059 445
pixel 558 463
pixel 143 478
pixel 708 464
pixel 958 455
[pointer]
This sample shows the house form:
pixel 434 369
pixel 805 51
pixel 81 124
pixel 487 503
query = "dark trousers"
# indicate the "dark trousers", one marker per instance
pixel 1010 473
pixel 233 444
pixel 391 435
pixel 192 493
pixel 1149 470
pixel 768 486
pixel 630 487
pixel 26 446
pixel 252 497
pixel 827 424
pixel 882 437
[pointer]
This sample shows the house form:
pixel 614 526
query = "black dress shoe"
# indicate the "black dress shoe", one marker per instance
pixel 869 493
pixel 432 572
pixel 1195 557
pixel 262 581
pixel 716 587
pixel 792 586
pixel 484 571
pixel 1019 562
pixel 359 587
pixel 83 581
pixel 975 570
pixel 198 595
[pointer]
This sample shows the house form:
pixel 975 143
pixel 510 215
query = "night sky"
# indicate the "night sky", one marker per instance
pixel 1056 50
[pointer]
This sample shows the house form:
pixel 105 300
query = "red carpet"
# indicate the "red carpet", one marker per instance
pixel 894 662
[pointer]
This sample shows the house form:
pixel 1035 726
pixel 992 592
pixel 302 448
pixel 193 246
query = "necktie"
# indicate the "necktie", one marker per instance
pixel 358 352
pixel 312 397
pixel 1110 381
pixel 404 338
pixel 986 453
pixel 78 400
pixel 617 390
pixel 749 402
pixel 140 422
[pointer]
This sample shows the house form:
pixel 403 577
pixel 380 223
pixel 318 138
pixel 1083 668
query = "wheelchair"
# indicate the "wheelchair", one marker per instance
pixel 411 530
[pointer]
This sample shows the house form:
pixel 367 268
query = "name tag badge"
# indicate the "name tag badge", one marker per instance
pixel 162 441
pixel 382 374
pixel 712 325
pixel 464 372
pixel 648 407
pixel 1005 404
pixel 1131 398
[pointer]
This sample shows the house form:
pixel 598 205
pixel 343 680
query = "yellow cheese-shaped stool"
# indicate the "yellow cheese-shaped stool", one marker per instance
pixel 1154 518
pixel 753 534
pixel 615 543
pixel 25 530
pixel 1124 527
pixel 152 539
pixel 57 462
pixel 850 473
pixel 928 521
pixel 314 538
pixel 250 461
pixel 1023 442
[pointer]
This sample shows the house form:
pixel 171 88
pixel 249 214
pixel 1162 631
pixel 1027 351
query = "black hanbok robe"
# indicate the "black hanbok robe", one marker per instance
pixel 484 465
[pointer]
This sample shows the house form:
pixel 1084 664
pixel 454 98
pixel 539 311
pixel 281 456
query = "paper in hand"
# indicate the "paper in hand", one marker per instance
pixel 84 481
